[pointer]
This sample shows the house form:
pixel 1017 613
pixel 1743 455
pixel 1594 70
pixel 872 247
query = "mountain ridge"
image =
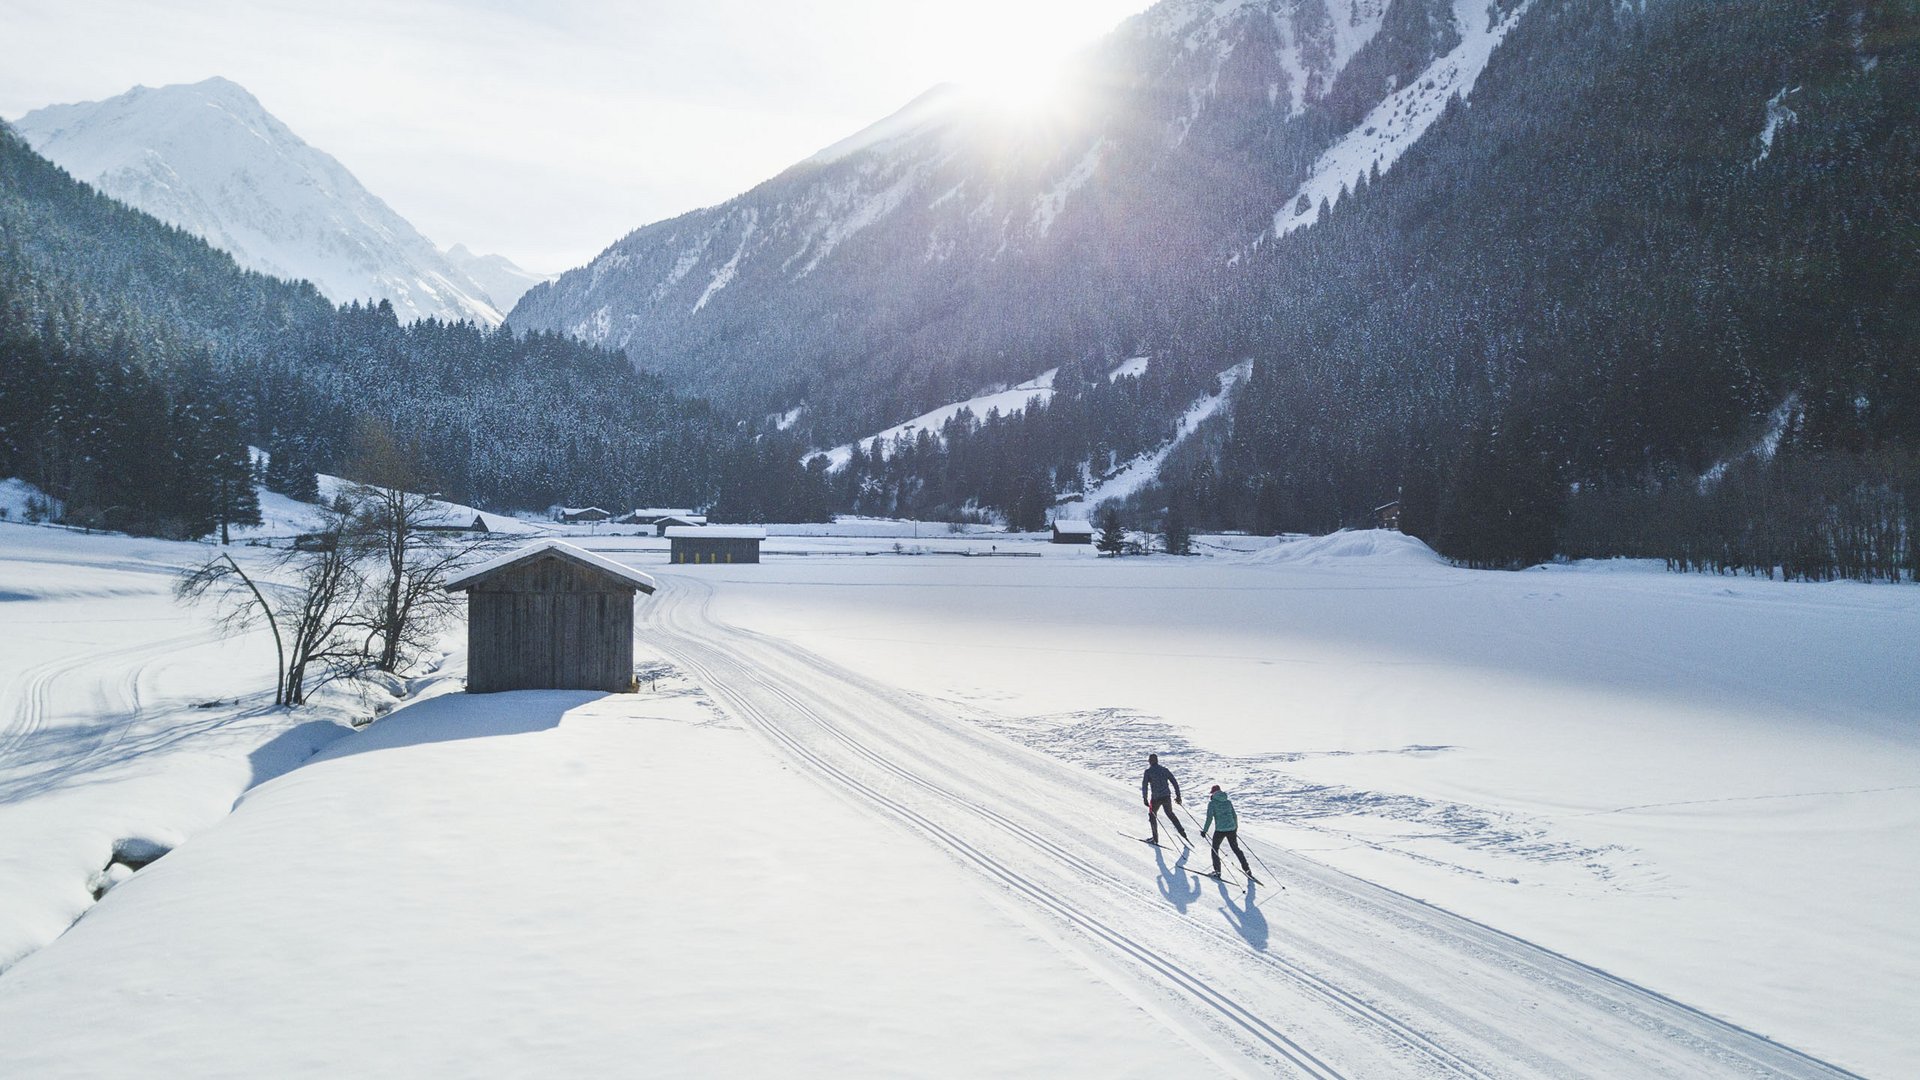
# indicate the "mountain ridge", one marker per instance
pixel 209 158
pixel 869 281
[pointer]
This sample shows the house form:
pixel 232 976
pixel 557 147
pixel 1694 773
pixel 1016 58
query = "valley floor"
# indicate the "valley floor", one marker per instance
pixel 871 815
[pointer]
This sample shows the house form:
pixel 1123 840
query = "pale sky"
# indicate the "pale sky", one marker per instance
pixel 546 131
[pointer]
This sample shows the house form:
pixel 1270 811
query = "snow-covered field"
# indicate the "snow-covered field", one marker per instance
pixel 128 722
pixel 871 816
pixel 1707 785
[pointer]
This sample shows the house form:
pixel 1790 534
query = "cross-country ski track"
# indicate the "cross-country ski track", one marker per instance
pixel 1335 977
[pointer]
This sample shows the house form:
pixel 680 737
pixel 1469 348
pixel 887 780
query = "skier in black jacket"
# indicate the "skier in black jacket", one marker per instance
pixel 1154 792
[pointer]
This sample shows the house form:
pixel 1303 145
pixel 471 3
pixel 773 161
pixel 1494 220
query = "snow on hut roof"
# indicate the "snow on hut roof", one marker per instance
pixel 716 532
pixel 666 511
pixel 466 578
pixel 1073 525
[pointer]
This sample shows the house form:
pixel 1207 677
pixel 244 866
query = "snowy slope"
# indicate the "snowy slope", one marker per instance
pixel 210 159
pixel 1398 121
pixel 500 279
pixel 1143 470
pixel 1011 400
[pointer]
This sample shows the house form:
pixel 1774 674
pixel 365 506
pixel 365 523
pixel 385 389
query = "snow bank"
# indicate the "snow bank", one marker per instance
pixel 1353 548
pixel 19 500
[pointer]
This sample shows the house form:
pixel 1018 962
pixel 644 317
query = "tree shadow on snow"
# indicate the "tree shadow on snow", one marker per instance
pixel 1247 920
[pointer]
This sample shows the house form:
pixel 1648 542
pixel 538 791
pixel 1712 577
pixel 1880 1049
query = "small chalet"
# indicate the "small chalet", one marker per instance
pixel 584 515
pixel 678 521
pixel 715 543
pixel 1387 516
pixel 477 525
pixel 1072 531
pixel 550 616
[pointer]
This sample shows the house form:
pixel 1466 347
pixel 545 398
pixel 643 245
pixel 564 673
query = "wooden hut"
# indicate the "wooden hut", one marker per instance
pixel 1072 531
pixel 581 515
pixel 550 617
pixel 1387 516
pixel 715 543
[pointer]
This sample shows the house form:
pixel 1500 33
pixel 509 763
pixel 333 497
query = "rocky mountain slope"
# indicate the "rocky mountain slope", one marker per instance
pixel 958 243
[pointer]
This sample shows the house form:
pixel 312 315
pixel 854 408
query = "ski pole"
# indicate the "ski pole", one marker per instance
pixel 1262 862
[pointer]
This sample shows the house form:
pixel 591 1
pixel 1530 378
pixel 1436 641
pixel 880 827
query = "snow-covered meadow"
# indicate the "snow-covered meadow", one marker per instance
pixel 869 815
pixel 1710 785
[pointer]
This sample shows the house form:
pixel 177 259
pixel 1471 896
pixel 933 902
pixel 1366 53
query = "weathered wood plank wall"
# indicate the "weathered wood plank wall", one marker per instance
pixel 550 625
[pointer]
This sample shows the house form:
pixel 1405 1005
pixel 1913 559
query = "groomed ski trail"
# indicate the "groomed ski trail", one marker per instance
pixel 1335 977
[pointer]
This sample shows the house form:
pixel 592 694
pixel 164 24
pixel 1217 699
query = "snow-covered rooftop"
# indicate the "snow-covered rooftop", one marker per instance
pixel 1074 526
pixel 716 532
pixel 561 548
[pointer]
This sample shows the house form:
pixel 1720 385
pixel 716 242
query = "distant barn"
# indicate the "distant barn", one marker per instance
pixel 550 617
pixel 660 519
pixel 1387 516
pixel 715 544
pixel 477 525
pixel 580 515
pixel 1072 531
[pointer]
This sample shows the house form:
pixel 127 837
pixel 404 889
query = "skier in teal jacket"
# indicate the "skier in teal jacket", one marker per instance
pixel 1226 826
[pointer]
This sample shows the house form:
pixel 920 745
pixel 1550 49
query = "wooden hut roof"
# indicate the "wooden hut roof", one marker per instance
pixel 561 548
pixel 1073 527
pixel 716 532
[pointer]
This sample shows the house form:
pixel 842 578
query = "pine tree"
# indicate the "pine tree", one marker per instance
pixel 1175 537
pixel 1113 535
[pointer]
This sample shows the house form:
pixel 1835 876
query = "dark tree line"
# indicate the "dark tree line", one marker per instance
pixel 139 363
pixel 1574 299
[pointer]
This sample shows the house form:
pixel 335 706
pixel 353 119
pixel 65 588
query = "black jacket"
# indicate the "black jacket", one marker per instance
pixel 1157 778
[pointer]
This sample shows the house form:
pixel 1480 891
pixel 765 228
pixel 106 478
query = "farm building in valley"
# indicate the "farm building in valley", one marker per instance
pixel 550 617
pixel 478 526
pixel 715 544
pixel 1072 531
pixel 661 519
pixel 580 515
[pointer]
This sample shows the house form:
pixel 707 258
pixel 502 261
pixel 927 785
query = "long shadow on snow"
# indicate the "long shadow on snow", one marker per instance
pixel 461 716
pixel 1179 889
pixel 1246 919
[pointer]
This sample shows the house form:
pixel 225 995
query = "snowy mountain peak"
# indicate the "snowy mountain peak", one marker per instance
pixel 209 158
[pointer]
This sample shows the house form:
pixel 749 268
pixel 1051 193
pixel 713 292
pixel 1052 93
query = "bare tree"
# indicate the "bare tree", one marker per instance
pixel 310 613
pixel 397 522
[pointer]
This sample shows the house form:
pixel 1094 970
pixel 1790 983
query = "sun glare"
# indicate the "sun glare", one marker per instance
pixel 1022 93
pixel 1018 89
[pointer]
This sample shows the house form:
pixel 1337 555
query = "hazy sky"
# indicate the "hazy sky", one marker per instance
pixel 545 131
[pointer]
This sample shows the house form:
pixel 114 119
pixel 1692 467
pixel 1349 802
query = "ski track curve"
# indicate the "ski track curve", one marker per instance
pixel 1352 979
pixel 115 693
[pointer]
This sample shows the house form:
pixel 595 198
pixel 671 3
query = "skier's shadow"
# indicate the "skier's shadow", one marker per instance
pixel 1246 919
pixel 1179 889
